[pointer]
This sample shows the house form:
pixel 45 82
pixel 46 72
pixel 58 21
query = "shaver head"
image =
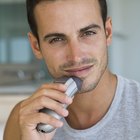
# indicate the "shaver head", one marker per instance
pixel 77 80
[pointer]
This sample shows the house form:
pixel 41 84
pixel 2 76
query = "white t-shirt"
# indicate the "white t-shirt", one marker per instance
pixel 121 122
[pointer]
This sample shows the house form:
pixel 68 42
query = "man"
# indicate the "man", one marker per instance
pixel 72 36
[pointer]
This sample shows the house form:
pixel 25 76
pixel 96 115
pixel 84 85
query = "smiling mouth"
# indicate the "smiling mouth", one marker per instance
pixel 78 71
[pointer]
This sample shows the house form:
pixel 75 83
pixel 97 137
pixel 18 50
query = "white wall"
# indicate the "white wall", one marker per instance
pixel 125 48
pixel 7 102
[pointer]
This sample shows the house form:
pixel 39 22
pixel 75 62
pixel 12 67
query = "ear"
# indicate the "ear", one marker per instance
pixel 108 29
pixel 35 46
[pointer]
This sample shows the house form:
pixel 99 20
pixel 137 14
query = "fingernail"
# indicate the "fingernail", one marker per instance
pixel 65 112
pixel 69 100
pixel 59 124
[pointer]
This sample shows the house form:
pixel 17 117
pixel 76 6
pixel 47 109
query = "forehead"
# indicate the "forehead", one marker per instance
pixel 65 13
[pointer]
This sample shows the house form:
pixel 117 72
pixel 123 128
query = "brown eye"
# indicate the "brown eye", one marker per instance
pixel 89 33
pixel 55 40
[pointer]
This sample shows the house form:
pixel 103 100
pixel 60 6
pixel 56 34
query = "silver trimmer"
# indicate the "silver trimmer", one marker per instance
pixel 74 85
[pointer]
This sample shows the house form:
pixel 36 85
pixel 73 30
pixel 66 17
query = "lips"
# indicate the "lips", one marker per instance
pixel 80 71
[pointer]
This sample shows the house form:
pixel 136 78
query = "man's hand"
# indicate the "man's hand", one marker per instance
pixel 49 96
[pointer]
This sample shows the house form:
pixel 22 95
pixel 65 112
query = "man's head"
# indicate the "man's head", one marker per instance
pixel 72 39
pixel 31 4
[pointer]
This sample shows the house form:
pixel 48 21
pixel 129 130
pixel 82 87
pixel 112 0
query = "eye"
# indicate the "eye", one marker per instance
pixel 88 33
pixel 56 40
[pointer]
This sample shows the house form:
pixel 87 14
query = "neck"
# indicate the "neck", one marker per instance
pixel 89 108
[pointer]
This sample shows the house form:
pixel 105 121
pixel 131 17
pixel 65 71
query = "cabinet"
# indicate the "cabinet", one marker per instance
pixel 14 44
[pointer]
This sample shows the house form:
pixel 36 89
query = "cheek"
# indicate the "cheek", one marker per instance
pixel 53 60
pixel 101 47
pixel 100 53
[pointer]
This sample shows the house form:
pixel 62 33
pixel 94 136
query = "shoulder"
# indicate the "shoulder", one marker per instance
pixel 129 85
pixel 130 94
pixel 12 125
pixel 129 91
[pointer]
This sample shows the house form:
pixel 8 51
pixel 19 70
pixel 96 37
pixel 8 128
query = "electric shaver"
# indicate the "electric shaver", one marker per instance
pixel 74 85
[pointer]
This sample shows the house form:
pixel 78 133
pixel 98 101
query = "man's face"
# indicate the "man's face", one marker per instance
pixel 73 39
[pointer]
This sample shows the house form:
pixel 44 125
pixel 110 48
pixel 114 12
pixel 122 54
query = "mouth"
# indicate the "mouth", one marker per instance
pixel 79 71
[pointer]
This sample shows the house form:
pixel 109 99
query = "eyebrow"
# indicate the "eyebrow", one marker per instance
pixel 90 27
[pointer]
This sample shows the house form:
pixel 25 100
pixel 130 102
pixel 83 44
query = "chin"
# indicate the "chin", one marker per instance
pixel 88 86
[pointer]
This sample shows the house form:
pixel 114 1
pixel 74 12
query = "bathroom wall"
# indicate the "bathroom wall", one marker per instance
pixel 125 48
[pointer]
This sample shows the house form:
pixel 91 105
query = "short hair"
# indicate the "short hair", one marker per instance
pixel 31 4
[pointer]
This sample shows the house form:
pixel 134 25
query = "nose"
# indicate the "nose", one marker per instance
pixel 75 51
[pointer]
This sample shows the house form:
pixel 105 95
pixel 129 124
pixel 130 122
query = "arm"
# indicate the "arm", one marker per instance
pixel 24 118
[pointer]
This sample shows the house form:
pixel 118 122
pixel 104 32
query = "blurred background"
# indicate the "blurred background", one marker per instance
pixel 21 73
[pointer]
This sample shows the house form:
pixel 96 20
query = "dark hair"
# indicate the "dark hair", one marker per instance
pixel 31 4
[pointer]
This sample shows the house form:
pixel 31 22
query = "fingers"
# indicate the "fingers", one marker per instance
pixel 47 98
pixel 37 118
pixel 50 86
pixel 43 102
pixel 54 91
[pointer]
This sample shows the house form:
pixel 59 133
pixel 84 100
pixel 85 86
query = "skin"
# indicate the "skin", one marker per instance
pixel 73 42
